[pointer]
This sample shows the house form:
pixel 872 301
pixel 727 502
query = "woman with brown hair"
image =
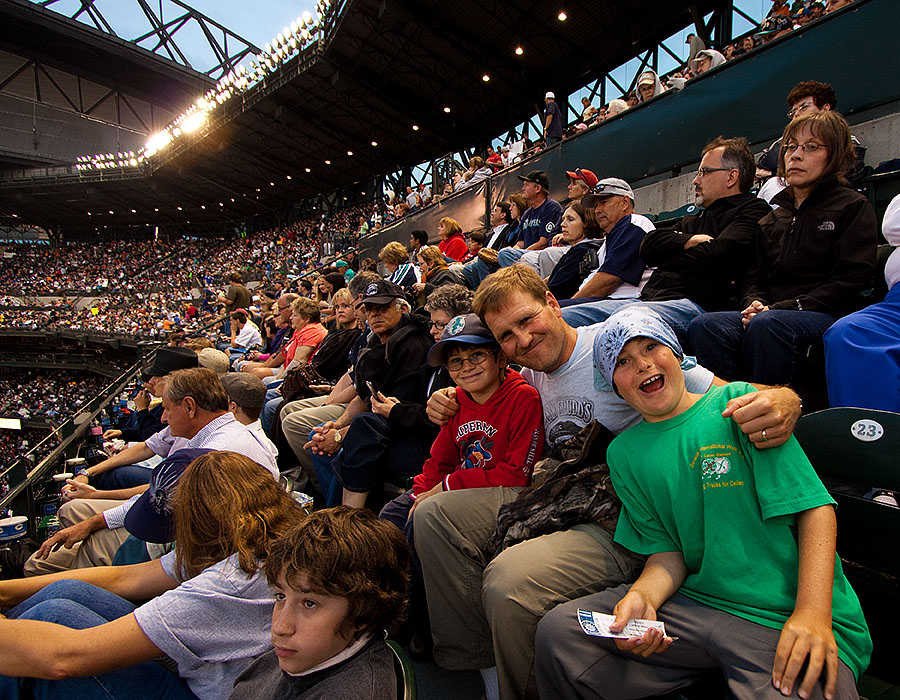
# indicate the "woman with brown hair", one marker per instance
pixel 79 634
pixel 453 243
pixel 814 256
pixel 581 235
pixel 434 270
pixel 326 286
pixel 395 258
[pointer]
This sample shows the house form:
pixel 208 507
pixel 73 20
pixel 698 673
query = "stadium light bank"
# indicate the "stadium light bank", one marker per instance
pixel 285 45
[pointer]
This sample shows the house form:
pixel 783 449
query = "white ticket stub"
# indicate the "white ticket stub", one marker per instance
pixel 597 625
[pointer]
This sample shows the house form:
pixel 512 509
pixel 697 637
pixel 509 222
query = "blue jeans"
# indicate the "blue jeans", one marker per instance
pixel 509 256
pixel 372 451
pixel 123 478
pixel 475 271
pixel 766 351
pixel 79 605
pixel 270 410
pixel 331 487
pixel 678 313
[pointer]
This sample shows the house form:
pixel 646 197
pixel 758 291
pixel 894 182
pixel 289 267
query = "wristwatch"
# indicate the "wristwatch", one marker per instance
pixel 84 473
pixel 338 437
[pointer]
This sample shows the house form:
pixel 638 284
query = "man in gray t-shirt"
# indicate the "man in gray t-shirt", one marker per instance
pixel 484 613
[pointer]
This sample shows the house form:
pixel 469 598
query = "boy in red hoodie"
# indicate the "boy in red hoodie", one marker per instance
pixel 498 433
pixel 494 439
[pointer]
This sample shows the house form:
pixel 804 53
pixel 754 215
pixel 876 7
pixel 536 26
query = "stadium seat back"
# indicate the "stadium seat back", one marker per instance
pixel 856 452
pixel 666 218
pixel 406 675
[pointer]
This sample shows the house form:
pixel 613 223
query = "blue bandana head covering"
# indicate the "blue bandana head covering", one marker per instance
pixel 632 322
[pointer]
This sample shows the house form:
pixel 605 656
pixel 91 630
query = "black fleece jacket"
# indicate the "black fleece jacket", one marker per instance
pixel 815 257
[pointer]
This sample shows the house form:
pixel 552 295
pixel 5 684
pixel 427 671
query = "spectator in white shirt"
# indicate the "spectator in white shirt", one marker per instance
pixel 244 333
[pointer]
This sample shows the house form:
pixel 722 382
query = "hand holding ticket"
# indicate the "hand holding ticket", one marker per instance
pixel 597 625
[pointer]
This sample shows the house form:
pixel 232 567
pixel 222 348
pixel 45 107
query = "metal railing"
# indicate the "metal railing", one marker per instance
pixel 22 476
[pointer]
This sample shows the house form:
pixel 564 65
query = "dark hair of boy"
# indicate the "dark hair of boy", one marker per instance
pixel 347 553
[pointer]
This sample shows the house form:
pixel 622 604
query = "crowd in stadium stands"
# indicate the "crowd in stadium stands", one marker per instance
pixel 158 296
pixel 485 374
pixel 17 443
pixel 41 394
pixel 782 19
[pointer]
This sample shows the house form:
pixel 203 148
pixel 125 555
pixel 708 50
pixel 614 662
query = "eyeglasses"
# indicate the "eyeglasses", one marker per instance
pixel 437 324
pixel 703 172
pixel 809 147
pixel 799 108
pixel 454 364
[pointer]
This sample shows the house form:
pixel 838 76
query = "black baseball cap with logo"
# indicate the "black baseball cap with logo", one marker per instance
pixel 381 292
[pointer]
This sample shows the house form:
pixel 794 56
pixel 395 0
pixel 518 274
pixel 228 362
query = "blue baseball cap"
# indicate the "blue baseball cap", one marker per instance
pixel 150 518
pixel 467 329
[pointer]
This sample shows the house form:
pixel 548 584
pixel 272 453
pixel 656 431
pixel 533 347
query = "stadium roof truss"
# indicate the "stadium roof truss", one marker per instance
pixel 389 84
pixel 161 35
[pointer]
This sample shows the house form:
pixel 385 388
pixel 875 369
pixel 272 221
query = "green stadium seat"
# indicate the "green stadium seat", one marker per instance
pixel 406 675
pixel 856 452
pixel 665 218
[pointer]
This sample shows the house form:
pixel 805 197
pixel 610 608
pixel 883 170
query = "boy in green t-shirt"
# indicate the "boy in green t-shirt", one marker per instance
pixel 740 543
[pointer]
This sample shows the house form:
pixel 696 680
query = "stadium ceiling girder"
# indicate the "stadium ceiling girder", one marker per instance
pixel 391 63
pixel 164 31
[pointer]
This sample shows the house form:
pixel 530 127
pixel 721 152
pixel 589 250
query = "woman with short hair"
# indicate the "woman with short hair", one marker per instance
pixel 814 256
pixel 395 257
pixel 452 243
pixel 583 235
pixel 434 270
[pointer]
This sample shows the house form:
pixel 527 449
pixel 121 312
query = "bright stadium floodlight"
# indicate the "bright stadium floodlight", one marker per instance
pixel 157 142
pixel 193 122
pixel 307 17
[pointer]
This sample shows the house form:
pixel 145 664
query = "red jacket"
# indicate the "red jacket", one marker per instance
pixel 454 247
pixel 494 444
